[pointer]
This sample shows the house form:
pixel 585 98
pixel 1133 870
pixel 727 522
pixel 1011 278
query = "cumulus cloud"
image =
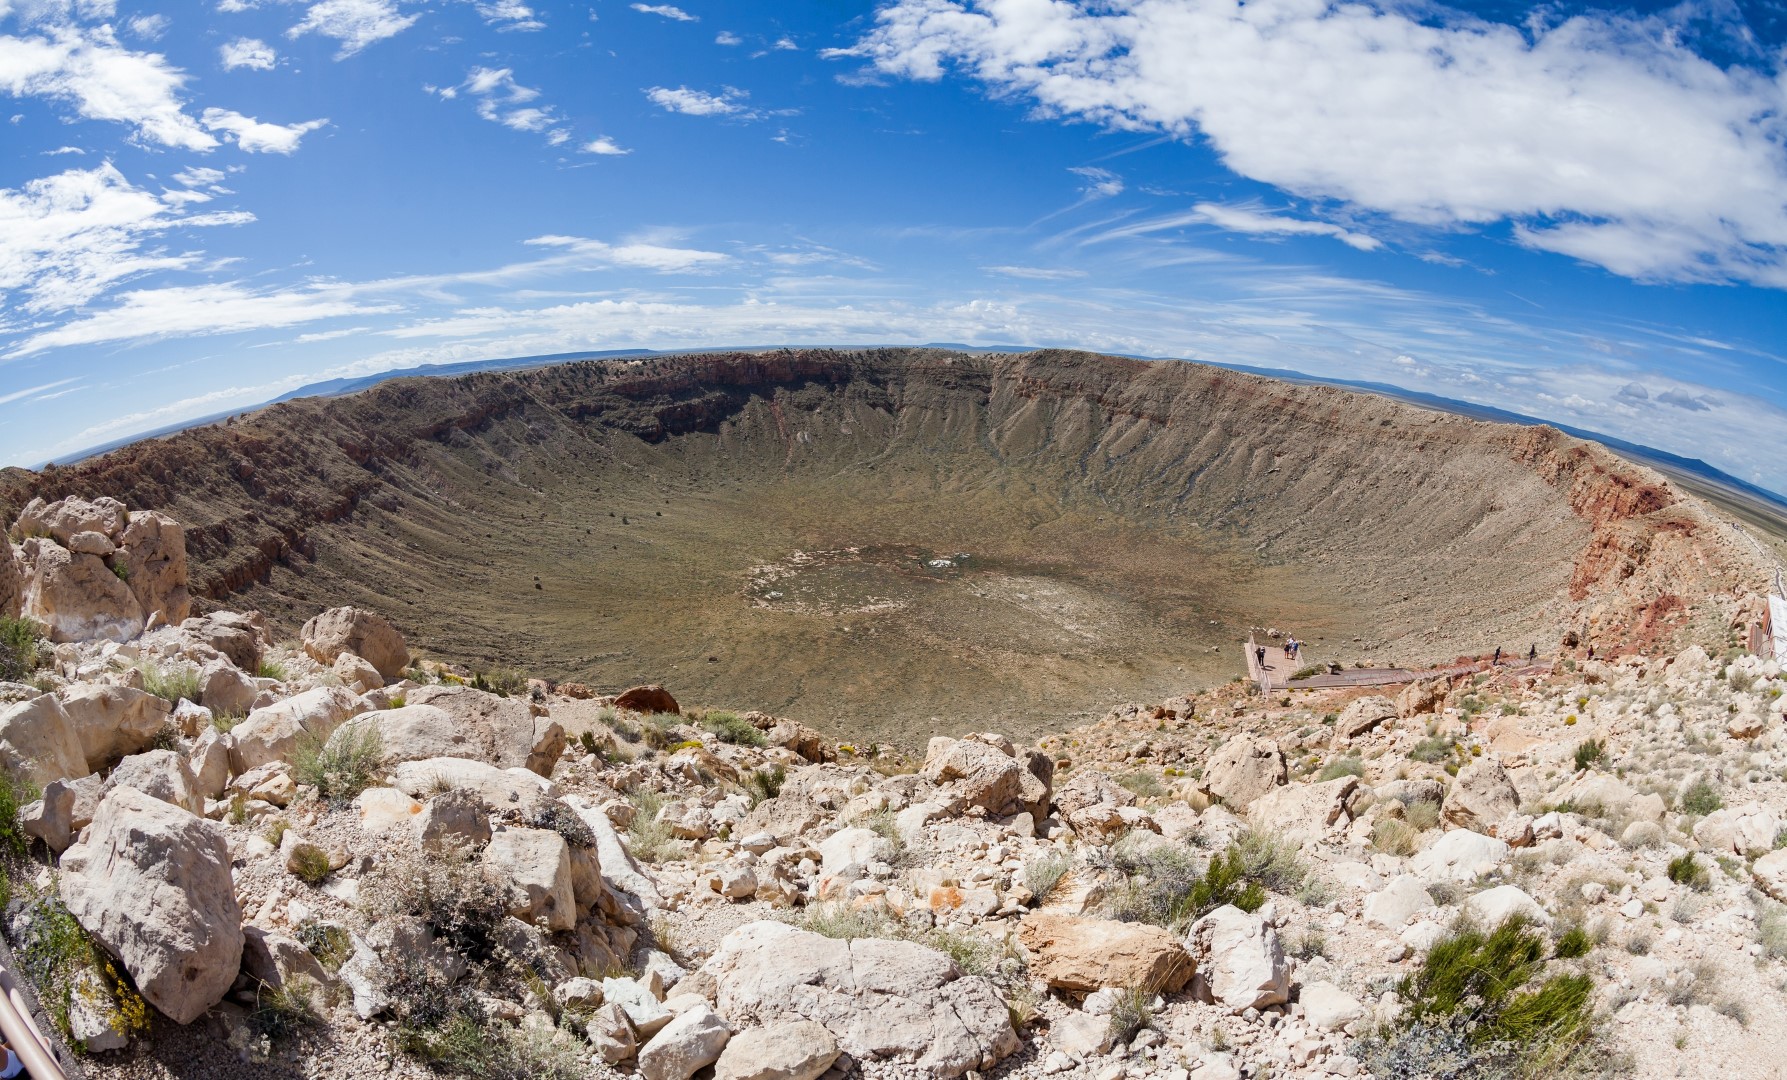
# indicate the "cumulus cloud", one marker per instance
pixel 1601 136
pixel 255 137
pixel 1249 219
pixel 67 239
pixel 88 69
pixel 509 15
pixel 354 23
pixel 669 11
pixel 727 37
pixel 251 53
pixel 605 146
pixel 698 102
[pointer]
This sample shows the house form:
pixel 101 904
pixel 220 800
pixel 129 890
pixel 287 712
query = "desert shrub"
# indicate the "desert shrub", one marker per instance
pixel 460 900
pixel 339 770
pixel 1133 1012
pixel 1421 814
pixel 564 821
pixel 1308 671
pixel 62 961
pixel 648 838
pixel 1394 837
pixel 765 783
pixel 1701 798
pixel 1166 888
pixel 1771 930
pixel 1339 767
pixel 1043 873
pixel 1471 1010
pixel 1143 784
pixel 836 919
pixel 1574 942
pixel 506 681
pixel 223 723
pixel 729 727
pixel 1588 752
pixel 1432 750
pixel 1308 945
pixel 1272 862
pixel 14 794
pixel 171 684
pixel 974 954
pixel 330 943
pixel 22 648
pixel 281 1010
pixel 270 669
pixel 1684 869
pixel 309 863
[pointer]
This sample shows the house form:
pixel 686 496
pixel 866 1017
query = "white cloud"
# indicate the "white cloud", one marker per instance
pixel 251 53
pixel 786 44
pixel 1601 136
pixel 504 101
pixel 669 11
pixel 1249 219
pixel 507 15
pixel 696 102
pixel 199 176
pixel 635 255
pixel 88 69
pixel 67 239
pixel 1100 183
pixel 727 37
pixel 354 23
pixel 255 137
pixel 64 150
pixel 195 310
pixel 604 145
pixel 1035 273
pixel 147 27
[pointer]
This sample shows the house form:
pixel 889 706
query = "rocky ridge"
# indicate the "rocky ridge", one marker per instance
pixel 319 857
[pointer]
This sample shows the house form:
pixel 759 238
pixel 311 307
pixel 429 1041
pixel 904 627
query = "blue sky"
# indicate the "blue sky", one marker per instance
pixel 1575 212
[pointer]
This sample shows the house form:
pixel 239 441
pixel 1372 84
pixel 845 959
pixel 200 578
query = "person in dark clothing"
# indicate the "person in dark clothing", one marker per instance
pixel 1259 654
pixel 1497 661
pixel 1532 653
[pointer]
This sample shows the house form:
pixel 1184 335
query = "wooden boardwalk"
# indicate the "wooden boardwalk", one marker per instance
pixel 1276 674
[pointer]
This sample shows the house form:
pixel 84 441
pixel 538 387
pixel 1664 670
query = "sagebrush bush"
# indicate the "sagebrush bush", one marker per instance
pixel 837 919
pixel 1394 837
pixel 1421 814
pixel 1701 798
pixel 1043 873
pixel 342 767
pixel 1432 750
pixel 566 822
pixel 22 648
pixel 1167 888
pixel 1339 767
pixel 764 783
pixel 649 839
pixel 1143 784
pixel 729 727
pixel 508 682
pixel 171 684
pixel 454 894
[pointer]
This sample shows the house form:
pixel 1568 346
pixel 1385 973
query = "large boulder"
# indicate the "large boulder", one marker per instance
pixel 237 636
pixel 986 776
pixel 537 862
pixel 159 774
pixel 1243 769
pixel 647 699
pixel 1094 805
pixel 1363 715
pixel 1420 698
pixel 412 733
pixel 363 633
pixel 1239 961
pixel 896 1002
pixel 1303 812
pixel 112 721
pixel 154 561
pixel 38 741
pixel 685 1046
pixel 504 789
pixel 1073 953
pixel 1480 797
pixel 1460 855
pixel 1392 906
pixel 503 731
pixel 271 734
pixel 63 519
pixel 796 1050
pixel 152 884
pixel 226 689
pixel 77 597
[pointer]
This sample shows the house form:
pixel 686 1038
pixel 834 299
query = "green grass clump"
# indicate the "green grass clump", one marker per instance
pixel 282 1010
pixel 1701 798
pixel 840 920
pixel 171 684
pixel 1133 1012
pixel 1393 836
pixel 342 767
pixel 1143 784
pixel 765 783
pixel 732 728
pixel 23 648
pixel 309 863
pixel 1433 750
pixel 1588 752
pixel 649 839
pixel 1684 869
pixel 1339 767
pixel 1043 873
pixel 330 943
pixel 1167 888
pixel 1482 1005
pixel 270 669
pixel 1271 861
pixel 1421 814
pixel 508 682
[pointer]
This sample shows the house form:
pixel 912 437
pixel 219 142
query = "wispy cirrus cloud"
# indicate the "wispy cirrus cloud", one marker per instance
pixel 668 11
pixel 1601 136
pixel 356 24
pixel 1249 218
pixel 504 101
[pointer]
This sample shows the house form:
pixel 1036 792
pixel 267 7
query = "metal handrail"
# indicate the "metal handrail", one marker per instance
pixel 21 1032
